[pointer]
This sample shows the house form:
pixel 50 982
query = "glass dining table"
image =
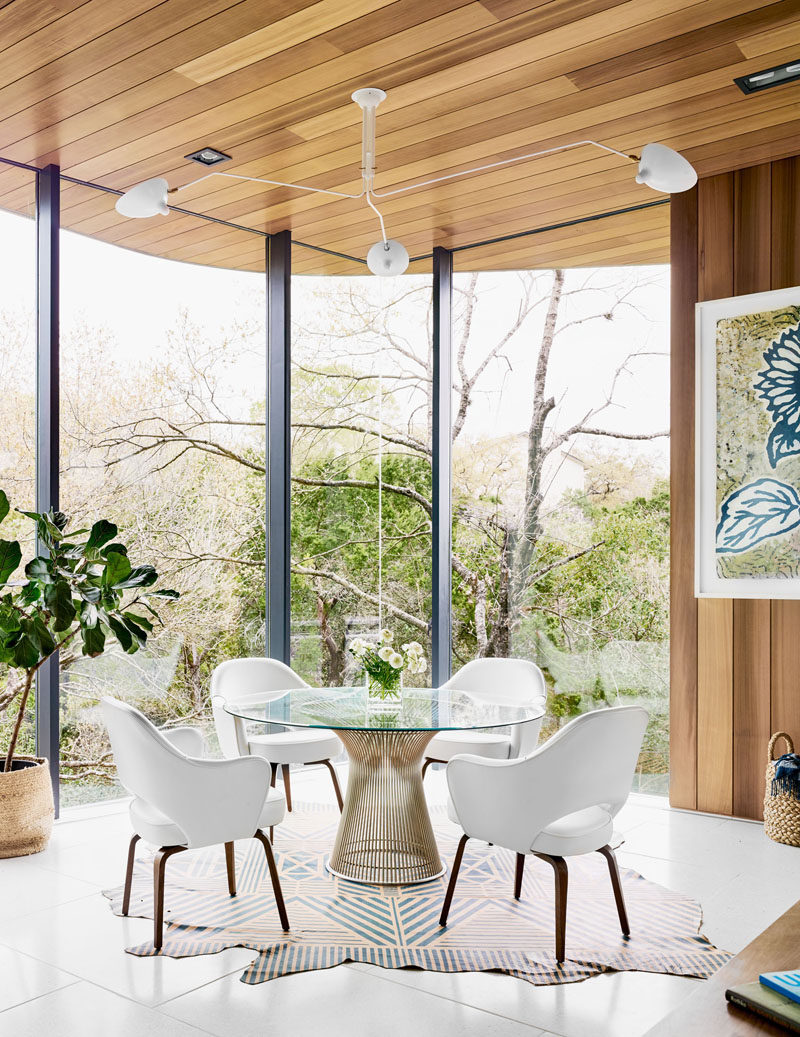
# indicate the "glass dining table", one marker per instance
pixel 385 834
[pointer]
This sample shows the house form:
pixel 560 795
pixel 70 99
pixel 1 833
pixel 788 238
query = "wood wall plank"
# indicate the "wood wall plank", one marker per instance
pixel 683 604
pixel 751 619
pixel 785 273
pixel 715 705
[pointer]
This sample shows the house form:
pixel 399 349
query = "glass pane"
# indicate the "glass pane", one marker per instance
pixel 18 425
pixel 163 411
pixel 361 469
pixel 561 527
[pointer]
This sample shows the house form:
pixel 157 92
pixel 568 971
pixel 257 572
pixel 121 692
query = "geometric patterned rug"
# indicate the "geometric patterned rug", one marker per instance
pixel 334 921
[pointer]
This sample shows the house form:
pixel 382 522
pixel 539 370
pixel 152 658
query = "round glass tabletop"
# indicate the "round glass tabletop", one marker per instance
pixel 419 709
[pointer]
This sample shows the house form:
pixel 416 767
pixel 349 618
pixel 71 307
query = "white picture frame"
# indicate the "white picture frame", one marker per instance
pixel 708 512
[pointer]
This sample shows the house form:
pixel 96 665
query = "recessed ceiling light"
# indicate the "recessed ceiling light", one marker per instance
pixel 208 157
pixel 768 77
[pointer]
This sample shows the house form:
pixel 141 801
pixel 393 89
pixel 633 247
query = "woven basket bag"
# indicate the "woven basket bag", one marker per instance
pixel 781 811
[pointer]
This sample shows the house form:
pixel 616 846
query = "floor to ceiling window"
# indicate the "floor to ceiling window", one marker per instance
pixel 361 464
pixel 162 433
pixel 18 406
pixel 560 491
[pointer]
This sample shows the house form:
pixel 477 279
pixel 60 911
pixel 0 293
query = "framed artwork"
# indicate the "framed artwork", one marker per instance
pixel 747 474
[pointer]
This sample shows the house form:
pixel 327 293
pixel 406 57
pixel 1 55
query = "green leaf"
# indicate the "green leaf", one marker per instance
pixel 5 507
pixel 30 592
pixel 123 635
pixel 89 593
pixel 26 652
pixel 167 594
pixel 58 598
pixel 59 520
pixel 145 623
pixel 141 576
pixel 10 557
pixel 88 615
pixel 120 549
pixel 39 569
pixel 94 640
pixel 43 637
pixel 101 533
pixel 9 619
pixel 117 569
pixel 132 625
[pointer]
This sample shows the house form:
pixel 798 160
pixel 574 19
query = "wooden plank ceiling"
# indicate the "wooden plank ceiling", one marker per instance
pixel 116 91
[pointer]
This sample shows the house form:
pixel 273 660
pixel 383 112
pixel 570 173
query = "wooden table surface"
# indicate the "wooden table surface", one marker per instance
pixel 706 1013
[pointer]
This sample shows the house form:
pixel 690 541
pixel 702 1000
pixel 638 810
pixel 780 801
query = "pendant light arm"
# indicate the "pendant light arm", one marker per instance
pixel 271 183
pixel 502 162
pixel 377 212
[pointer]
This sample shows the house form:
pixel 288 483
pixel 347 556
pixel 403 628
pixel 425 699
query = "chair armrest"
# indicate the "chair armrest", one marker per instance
pixel 211 801
pixel 187 740
pixel 497 800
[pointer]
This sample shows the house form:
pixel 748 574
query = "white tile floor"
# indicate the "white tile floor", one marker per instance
pixel 63 969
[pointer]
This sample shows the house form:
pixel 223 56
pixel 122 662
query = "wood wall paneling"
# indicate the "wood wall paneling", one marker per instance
pixel 745 676
pixel 683 605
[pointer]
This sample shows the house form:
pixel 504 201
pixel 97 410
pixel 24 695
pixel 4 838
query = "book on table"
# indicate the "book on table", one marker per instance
pixel 767 1003
pixel 786 983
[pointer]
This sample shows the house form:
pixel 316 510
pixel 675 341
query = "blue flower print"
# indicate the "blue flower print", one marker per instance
pixel 779 386
pixel 763 509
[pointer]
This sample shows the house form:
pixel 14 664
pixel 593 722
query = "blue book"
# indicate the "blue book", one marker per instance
pixel 786 983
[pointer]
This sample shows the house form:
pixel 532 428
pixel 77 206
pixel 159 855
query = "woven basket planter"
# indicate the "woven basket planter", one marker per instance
pixel 26 807
pixel 781 811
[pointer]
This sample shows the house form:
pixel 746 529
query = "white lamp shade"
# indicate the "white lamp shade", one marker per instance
pixel 387 258
pixel 144 200
pixel 665 170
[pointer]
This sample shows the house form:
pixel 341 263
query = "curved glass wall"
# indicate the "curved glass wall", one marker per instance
pixel 560 485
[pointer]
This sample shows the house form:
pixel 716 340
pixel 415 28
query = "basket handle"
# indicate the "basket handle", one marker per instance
pixel 774 739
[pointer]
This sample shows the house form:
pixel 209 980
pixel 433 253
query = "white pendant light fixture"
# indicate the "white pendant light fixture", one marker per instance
pixel 144 200
pixel 665 170
pixel 659 168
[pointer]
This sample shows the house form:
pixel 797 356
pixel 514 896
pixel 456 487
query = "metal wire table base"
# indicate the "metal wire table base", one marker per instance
pixel 385 834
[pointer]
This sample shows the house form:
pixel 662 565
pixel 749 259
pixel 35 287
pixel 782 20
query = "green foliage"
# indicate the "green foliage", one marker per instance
pixel 76 586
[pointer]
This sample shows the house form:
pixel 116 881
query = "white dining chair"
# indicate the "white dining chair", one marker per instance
pixel 248 680
pixel 182 802
pixel 557 802
pixel 504 680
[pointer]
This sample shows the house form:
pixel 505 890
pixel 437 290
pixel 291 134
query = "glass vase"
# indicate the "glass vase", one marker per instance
pixel 383 699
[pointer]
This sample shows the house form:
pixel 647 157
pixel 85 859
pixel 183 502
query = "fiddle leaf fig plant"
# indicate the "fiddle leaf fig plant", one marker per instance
pixel 82 585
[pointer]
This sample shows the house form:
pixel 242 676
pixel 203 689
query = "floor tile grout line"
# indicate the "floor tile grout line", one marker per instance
pixel 36 997
pixel 441 997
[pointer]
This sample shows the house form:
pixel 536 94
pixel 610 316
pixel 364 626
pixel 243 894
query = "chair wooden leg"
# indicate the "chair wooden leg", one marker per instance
pixel 273 774
pixel 287 786
pixel 451 886
pixel 426 765
pixel 230 864
pixel 126 896
pixel 272 833
pixel 616 883
pixel 335 781
pixel 518 875
pixel 159 870
pixel 276 882
pixel 559 866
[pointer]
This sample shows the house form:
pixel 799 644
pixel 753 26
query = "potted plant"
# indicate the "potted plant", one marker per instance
pixel 81 585
pixel 384 664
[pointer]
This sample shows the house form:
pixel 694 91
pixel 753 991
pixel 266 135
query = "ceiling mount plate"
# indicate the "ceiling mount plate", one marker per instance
pixel 369 96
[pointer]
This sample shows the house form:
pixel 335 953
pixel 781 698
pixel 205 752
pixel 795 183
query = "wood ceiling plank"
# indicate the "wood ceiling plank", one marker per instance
pixel 122 59
pixel 281 34
pixel 519 53
pixel 18 21
pixel 788 35
pixel 730 30
pixel 388 21
pixel 242 114
pixel 88 21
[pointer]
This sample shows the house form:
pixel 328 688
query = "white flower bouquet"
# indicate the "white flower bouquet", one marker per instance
pixel 383 663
